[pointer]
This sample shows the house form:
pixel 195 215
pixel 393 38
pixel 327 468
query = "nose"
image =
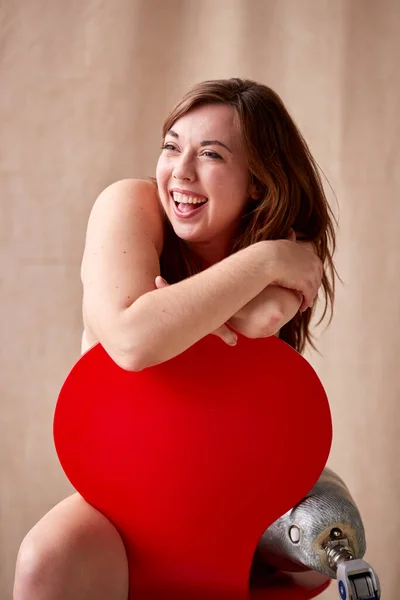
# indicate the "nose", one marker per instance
pixel 184 169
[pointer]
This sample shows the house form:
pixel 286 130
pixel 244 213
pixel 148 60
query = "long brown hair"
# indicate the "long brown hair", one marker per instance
pixel 280 163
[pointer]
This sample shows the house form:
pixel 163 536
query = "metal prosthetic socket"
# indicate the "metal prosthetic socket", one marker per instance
pixel 299 538
pixel 324 532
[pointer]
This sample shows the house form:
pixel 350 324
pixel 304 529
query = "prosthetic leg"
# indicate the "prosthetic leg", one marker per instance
pixel 324 532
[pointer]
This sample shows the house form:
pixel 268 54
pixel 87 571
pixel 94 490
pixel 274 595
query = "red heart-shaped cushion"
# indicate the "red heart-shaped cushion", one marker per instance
pixel 193 459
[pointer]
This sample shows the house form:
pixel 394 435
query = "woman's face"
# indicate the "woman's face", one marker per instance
pixel 203 180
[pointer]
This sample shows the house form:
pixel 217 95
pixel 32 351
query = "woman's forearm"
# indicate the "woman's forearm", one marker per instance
pixel 165 322
pixel 267 313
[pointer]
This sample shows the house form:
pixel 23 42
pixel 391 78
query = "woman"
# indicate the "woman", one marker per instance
pixel 208 247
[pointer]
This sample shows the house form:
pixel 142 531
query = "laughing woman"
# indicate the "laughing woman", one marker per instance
pixel 234 234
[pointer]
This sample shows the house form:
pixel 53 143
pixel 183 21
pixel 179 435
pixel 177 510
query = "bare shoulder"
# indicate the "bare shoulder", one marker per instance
pixel 132 187
pixel 126 207
pixel 135 200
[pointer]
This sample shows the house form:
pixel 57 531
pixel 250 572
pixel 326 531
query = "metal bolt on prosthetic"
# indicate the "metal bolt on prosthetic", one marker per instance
pixel 356 578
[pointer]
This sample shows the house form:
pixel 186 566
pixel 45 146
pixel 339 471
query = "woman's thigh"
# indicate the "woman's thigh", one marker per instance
pixel 73 552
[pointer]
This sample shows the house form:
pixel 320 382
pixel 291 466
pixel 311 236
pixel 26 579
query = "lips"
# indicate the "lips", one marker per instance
pixel 187 214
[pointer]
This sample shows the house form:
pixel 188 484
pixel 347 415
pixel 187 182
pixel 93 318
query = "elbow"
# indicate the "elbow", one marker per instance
pixel 134 358
pixel 274 325
pixel 128 363
pixel 127 357
pixel 128 344
pixel 126 360
pixel 124 335
pixel 264 328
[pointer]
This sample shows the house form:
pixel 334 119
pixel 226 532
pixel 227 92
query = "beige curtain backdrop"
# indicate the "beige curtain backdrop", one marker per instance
pixel 85 85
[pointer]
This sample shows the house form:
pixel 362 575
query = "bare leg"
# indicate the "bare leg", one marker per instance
pixel 72 553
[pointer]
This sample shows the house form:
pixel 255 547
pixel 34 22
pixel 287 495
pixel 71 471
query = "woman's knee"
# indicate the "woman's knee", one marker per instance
pixel 31 568
pixel 73 552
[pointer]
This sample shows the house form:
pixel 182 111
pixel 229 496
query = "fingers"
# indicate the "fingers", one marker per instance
pixel 305 304
pixel 226 334
pixel 310 292
pixel 160 282
pixel 308 302
pixel 292 235
pixel 310 295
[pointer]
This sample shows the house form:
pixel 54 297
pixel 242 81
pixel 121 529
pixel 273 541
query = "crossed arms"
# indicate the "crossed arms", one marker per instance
pixel 141 326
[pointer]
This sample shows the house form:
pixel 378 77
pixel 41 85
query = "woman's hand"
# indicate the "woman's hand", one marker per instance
pixel 223 332
pixel 297 267
pixel 268 312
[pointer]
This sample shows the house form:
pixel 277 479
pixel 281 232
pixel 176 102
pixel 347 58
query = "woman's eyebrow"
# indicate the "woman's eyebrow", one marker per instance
pixel 204 142
pixel 214 143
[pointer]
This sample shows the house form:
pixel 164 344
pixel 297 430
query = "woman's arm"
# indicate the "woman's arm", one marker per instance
pixel 275 306
pixel 267 313
pixel 140 326
pixel 263 316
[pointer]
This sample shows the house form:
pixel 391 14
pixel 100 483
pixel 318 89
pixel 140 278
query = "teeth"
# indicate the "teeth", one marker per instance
pixel 186 199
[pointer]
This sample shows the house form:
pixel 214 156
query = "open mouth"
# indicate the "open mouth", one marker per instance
pixel 187 206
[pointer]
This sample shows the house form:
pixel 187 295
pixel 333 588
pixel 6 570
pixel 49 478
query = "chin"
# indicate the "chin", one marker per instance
pixel 185 236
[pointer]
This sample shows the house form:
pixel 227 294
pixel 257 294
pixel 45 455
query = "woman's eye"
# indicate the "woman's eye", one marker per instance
pixel 212 154
pixel 168 147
